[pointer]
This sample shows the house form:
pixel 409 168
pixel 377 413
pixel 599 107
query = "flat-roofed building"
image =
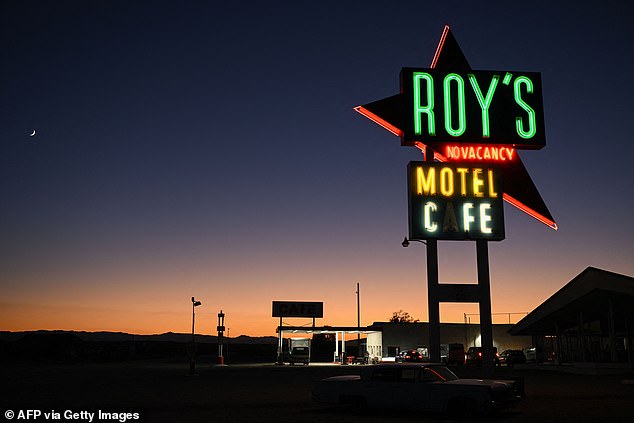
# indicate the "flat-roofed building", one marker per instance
pixel 589 320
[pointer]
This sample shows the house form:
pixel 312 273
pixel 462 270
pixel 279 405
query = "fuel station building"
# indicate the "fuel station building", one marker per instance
pixel 388 339
pixel 589 320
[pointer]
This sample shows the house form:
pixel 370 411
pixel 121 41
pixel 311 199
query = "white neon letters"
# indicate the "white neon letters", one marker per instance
pixel 470 214
pixel 430 226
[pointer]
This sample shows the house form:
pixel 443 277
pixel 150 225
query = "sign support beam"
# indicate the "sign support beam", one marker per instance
pixel 486 322
pixel 280 355
pixel 433 302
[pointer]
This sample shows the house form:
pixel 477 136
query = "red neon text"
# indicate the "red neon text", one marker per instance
pixel 501 154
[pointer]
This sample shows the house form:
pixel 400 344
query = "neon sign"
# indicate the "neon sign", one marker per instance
pixel 494 107
pixel 470 115
pixel 457 201
pixel 479 152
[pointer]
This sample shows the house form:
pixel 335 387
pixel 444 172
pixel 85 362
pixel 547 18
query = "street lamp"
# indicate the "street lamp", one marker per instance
pixel 406 242
pixel 194 305
pixel 191 348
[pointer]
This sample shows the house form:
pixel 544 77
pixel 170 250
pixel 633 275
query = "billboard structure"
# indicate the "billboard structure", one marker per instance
pixel 281 309
pixel 469 124
pixel 449 201
pixel 298 309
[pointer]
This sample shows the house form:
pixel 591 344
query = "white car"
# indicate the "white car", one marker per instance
pixel 414 386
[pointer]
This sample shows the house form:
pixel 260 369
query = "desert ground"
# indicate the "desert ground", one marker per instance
pixel 162 390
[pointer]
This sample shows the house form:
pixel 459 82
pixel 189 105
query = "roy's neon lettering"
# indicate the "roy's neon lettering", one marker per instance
pixel 495 107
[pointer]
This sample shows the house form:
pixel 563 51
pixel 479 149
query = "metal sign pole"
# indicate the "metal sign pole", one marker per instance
pixel 433 302
pixel 280 358
pixel 486 324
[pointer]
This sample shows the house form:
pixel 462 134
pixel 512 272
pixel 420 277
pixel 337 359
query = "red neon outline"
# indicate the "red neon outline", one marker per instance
pixel 441 43
pixel 546 221
pixel 374 118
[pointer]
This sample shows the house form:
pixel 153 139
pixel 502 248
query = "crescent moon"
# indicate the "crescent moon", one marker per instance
pixel 32 134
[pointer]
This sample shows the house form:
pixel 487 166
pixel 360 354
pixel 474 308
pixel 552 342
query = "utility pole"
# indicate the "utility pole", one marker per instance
pixel 359 352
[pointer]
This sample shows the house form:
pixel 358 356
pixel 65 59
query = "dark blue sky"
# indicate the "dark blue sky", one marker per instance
pixel 211 148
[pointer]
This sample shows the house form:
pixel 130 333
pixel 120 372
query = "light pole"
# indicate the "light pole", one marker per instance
pixel 191 350
pixel 194 305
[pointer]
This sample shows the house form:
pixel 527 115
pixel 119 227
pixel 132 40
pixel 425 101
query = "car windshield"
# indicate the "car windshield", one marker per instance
pixel 440 373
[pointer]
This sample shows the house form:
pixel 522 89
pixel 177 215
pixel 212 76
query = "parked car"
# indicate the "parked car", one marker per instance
pixel 474 356
pixel 417 386
pixel 456 355
pixel 511 357
pixel 409 356
pixel 531 354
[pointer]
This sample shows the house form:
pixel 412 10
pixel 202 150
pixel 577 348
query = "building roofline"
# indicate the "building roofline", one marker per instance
pixel 589 280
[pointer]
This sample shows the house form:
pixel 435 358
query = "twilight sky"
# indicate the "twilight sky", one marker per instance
pixel 210 148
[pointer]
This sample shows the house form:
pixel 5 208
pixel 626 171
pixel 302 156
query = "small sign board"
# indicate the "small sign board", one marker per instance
pixel 298 309
pixel 454 201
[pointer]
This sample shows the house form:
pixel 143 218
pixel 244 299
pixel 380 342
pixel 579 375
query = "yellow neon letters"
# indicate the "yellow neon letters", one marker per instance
pixel 470 182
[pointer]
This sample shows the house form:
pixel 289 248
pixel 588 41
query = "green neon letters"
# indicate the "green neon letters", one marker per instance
pixel 462 124
pixel 497 107
pixel 428 109
pixel 485 103
pixel 530 133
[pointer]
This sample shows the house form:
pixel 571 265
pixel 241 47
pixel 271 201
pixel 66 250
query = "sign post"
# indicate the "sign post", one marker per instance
pixel 486 322
pixel 433 301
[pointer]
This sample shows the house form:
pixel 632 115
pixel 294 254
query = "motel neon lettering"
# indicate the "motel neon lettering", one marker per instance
pixel 476 182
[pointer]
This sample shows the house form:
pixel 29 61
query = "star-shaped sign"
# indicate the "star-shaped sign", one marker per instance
pixel 484 116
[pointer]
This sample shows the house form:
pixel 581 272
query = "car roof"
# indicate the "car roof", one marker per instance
pixel 408 365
